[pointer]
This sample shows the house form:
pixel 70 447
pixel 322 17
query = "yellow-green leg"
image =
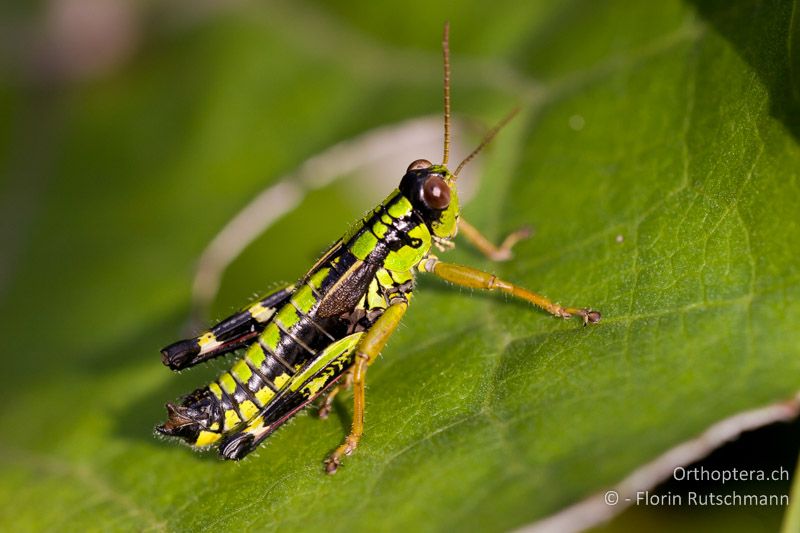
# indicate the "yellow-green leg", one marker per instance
pixel 368 349
pixel 327 403
pixel 476 279
pixel 487 247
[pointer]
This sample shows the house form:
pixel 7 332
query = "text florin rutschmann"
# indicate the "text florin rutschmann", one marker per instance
pixel 645 498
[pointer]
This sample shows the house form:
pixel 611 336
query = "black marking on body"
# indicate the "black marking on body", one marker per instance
pixel 270 355
pixel 228 402
pixel 320 329
pixel 247 393
pixel 329 254
pixel 339 266
pixel 396 236
pixel 296 339
pixel 258 380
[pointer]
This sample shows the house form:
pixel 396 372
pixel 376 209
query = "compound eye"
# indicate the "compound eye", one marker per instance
pixel 419 164
pixel 436 193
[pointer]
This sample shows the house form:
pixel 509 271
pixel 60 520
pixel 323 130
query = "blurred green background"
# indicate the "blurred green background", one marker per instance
pixel 656 156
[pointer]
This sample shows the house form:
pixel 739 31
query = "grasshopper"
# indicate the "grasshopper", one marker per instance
pixel 320 334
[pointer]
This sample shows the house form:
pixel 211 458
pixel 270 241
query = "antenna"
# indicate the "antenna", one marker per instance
pixel 487 139
pixel 446 53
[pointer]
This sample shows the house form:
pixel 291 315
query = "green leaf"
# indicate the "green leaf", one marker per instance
pixel 656 156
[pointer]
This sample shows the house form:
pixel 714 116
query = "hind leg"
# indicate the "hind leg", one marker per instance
pixel 369 348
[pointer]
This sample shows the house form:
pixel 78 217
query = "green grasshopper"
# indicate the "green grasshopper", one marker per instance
pixel 321 334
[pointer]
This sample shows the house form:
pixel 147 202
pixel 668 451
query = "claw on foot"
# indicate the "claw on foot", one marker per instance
pixel 589 316
pixel 333 461
pixel 525 232
pixel 332 464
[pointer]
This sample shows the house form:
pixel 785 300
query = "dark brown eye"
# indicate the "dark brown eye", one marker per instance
pixel 419 164
pixel 436 193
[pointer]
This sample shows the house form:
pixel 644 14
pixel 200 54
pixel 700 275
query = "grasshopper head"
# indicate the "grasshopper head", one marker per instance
pixel 431 189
